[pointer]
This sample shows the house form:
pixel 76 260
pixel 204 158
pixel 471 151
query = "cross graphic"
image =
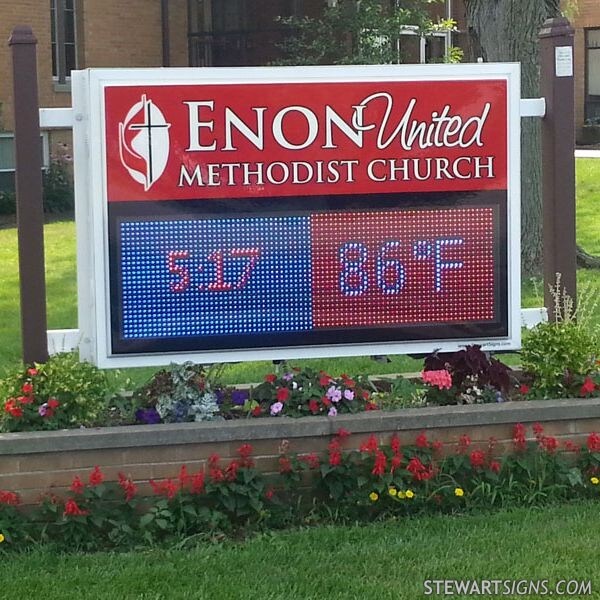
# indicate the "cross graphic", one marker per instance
pixel 149 126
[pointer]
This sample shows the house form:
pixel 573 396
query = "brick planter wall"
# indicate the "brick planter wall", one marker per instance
pixel 32 463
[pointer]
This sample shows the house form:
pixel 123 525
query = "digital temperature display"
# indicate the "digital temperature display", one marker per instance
pixel 368 274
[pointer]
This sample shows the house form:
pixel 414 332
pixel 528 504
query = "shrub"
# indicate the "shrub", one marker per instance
pixel 60 393
pixel 560 355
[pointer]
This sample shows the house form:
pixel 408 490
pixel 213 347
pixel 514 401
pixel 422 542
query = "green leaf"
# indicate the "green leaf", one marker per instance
pixel 146 519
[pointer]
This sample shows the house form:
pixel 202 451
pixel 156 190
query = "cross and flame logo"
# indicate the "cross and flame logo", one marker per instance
pixel 144 142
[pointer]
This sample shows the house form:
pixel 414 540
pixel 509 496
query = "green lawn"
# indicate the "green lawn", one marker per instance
pixel 61 289
pixel 381 561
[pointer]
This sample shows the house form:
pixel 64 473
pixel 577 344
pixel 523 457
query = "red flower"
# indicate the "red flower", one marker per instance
pixel 419 471
pixel 421 440
pixel 25 399
pixel 396 462
pixel 245 450
pixel 395 444
pixel 213 460
pixel 72 509
pixel 538 429
pixel 53 403
pixel 184 477
pixel 216 474
pixel 197 483
pixel 256 411
pixel 232 470
pixel 326 401
pixel 77 485
pixel 10 498
pixel 166 488
pixel 571 446
pixel 270 378
pixel 371 445
pixel 324 379
pixel 437 446
pixel 269 493
pixel 365 394
pixel 96 476
pixel 380 463
pixel 593 442
pixel 347 381
pixel 477 459
pixel 12 409
pixel 588 387
pixel 283 394
pixel 27 388
pixel 495 466
pixel 335 458
pixel 312 460
pixel 285 464
pixel 549 444
pixel 32 372
pixel 464 441
pixel 127 486
pixel 519 440
pixel 342 433
pixel 524 389
pixel 371 406
pixel 313 406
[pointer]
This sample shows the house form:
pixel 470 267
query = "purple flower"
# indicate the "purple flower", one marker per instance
pixel 349 394
pixel 43 410
pixel 288 376
pixel 149 416
pixel 332 412
pixel 334 394
pixel 239 397
pixel 276 408
pixel 219 395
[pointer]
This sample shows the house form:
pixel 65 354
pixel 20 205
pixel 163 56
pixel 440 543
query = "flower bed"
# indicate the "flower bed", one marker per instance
pixel 228 486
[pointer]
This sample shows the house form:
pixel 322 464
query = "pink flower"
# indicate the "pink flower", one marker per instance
pixel 440 379
pixel 276 408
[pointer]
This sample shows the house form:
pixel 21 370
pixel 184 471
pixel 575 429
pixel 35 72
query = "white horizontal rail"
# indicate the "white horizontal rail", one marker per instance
pixel 533 107
pixel 56 118
pixel 66 340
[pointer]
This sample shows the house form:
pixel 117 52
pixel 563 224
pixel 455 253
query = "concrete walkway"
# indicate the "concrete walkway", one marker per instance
pixel 587 153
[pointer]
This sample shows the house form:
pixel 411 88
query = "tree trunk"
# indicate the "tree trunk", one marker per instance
pixel 507 31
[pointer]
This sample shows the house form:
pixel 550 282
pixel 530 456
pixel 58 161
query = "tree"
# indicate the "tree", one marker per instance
pixel 507 30
pixel 356 32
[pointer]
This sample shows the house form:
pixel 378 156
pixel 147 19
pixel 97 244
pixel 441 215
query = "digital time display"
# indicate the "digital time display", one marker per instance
pixel 209 280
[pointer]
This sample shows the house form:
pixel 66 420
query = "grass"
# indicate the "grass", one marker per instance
pixel 62 292
pixel 389 560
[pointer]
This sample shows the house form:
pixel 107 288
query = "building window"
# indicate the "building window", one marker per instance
pixel 7 152
pixel 592 74
pixel 64 52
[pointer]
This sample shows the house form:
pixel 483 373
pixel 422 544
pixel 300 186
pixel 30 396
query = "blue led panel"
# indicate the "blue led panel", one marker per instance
pixel 183 278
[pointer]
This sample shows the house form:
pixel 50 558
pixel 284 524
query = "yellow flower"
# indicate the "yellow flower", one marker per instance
pixel 373 496
pixel 393 491
pixel 459 492
pixel 410 494
pixel 594 481
pixel 402 495
pixel 2 538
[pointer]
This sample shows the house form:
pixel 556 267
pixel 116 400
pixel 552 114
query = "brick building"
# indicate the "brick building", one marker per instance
pixel 152 33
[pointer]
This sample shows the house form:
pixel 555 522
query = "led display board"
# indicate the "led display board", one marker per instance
pixel 231 214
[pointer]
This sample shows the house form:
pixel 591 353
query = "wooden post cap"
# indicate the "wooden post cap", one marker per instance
pixel 22 34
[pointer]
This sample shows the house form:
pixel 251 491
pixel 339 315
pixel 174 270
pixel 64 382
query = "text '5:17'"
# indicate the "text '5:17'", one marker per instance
pixel 243 261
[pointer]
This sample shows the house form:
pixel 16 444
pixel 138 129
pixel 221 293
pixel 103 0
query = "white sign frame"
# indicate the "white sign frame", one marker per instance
pixel 92 219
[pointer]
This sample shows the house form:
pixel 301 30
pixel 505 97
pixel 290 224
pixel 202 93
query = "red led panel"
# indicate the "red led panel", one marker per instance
pixel 403 267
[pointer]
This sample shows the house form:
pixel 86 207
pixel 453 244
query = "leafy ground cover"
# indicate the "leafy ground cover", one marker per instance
pixel 389 560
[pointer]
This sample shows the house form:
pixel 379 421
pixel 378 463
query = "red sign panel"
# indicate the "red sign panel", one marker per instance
pixel 250 140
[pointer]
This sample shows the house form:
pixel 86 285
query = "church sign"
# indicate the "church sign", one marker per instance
pixel 269 213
